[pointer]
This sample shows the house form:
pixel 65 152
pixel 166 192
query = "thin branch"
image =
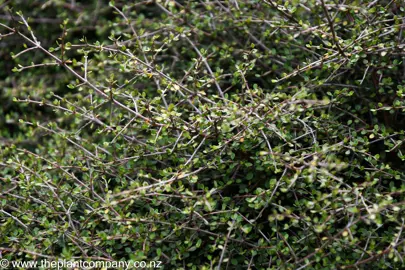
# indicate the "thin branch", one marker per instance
pixel 15 218
pixel 204 59
pixel 332 29
pixel 225 244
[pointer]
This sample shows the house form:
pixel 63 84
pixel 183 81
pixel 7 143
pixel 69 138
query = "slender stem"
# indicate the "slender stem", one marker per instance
pixel 332 29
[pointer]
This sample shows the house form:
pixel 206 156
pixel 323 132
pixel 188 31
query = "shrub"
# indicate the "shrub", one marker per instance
pixel 204 134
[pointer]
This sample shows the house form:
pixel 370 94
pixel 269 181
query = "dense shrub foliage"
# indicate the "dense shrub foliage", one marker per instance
pixel 235 134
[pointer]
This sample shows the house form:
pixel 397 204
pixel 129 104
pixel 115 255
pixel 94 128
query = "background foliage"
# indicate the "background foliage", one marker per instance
pixel 205 134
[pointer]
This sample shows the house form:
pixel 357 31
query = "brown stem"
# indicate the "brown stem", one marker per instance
pixel 332 29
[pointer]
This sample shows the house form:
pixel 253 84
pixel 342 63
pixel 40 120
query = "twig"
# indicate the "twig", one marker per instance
pixel 15 218
pixel 207 66
pixel 225 244
pixel 332 29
